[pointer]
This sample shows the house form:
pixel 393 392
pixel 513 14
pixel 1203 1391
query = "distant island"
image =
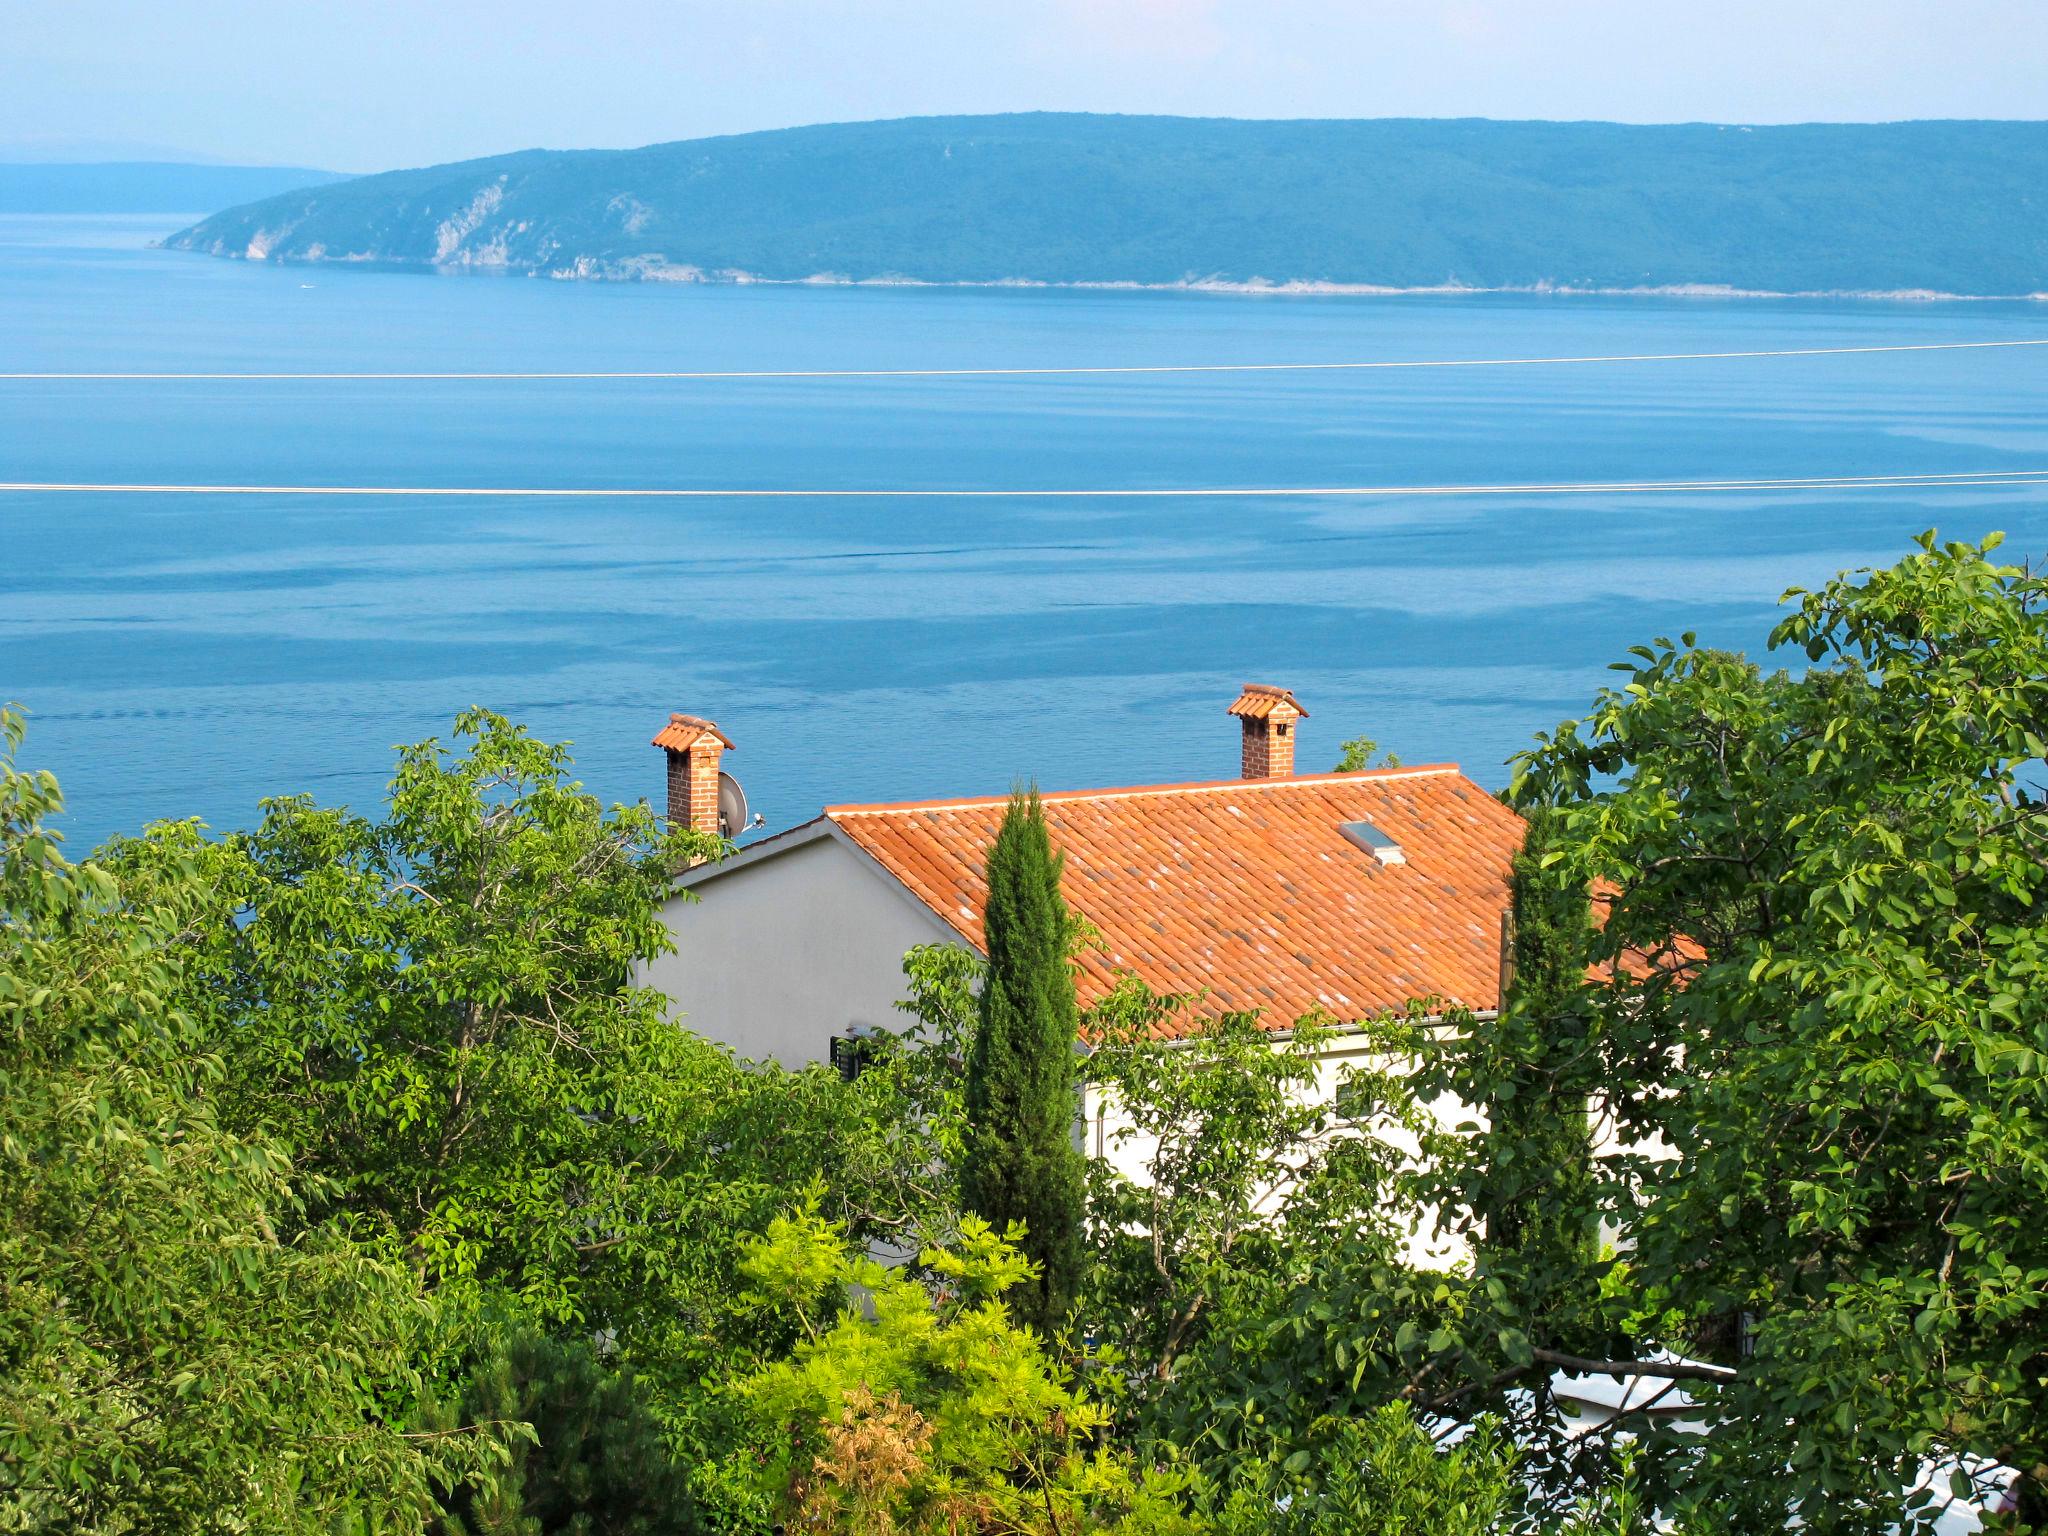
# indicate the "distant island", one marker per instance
pixel 1928 209
pixel 144 186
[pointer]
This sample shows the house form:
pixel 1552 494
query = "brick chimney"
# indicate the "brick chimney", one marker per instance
pixel 693 748
pixel 1268 715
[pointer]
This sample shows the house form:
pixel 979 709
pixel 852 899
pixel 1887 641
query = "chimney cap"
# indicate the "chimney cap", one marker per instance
pixel 684 732
pixel 1259 701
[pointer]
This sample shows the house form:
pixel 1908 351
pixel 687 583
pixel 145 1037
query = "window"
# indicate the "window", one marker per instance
pixel 850 1055
pixel 1374 841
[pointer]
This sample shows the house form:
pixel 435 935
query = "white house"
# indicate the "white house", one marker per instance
pixel 1345 893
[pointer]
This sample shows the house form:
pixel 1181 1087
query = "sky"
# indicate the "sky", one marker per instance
pixel 366 85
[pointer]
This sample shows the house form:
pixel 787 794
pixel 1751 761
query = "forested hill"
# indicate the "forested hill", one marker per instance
pixel 1954 207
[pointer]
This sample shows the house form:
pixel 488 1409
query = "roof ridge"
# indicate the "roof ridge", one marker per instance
pixel 1128 792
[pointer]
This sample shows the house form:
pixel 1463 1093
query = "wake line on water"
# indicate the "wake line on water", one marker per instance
pixel 1946 480
pixel 1078 370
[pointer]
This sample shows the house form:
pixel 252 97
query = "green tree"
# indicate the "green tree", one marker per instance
pixel 1517 1184
pixel 179 1351
pixel 435 1008
pixel 1359 752
pixel 1020 1163
pixel 914 1408
pixel 598 1463
pixel 1227 1124
pixel 890 1141
pixel 1846 1076
pixel 1529 1068
pixel 1380 1474
pixel 1255 1267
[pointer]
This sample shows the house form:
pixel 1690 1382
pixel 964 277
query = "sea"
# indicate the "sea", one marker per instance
pixel 183 655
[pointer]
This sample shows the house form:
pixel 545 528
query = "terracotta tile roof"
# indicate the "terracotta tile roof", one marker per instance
pixel 1677 958
pixel 1248 888
pixel 1258 700
pixel 684 732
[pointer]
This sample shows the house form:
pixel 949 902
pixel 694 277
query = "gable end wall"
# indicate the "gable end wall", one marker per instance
pixel 780 955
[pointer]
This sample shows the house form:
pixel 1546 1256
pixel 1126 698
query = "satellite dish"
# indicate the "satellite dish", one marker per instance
pixel 732 806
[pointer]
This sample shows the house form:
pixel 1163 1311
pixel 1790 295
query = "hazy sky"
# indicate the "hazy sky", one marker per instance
pixel 369 84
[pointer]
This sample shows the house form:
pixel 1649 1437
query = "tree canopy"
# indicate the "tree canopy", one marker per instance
pixel 178 1351
pixel 1823 1050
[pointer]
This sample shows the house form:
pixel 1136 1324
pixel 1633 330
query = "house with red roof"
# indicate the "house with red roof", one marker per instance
pixel 1342 894
pixel 1347 895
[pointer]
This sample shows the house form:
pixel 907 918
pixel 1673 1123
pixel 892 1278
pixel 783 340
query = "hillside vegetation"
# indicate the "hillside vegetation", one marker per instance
pixel 1955 207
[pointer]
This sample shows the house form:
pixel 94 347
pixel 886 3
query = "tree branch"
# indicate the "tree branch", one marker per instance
pixel 1672 1370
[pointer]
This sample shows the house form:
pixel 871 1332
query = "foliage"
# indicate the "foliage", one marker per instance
pixel 1020 1165
pixel 888 1139
pixel 1359 752
pixel 1386 1473
pixel 1845 1082
pixel 1379 1475
pixel 597 1465
pixel 1223 1124
pixel 1256 1268
pixel 1261 1266
pixel 1331 1324
pixel 436 1010
pixel 895 1136
pixel 944 982
pixel 176 1351
pixel 1518 1183
pixel 1527 1069
pixel 432 1009
pixel 914 1409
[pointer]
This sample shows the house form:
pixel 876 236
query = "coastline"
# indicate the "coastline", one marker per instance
pixel 657 269
pixel 1291 287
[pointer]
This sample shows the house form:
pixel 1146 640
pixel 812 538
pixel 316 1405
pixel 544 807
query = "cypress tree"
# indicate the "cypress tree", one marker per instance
pixel 1021 1162
pixel 1541 1229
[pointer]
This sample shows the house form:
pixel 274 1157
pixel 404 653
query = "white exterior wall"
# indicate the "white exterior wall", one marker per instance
pixel 780 955
pixel 1103 1120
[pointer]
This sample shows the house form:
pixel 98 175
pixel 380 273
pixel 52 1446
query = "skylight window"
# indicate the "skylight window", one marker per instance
pixel 1374 842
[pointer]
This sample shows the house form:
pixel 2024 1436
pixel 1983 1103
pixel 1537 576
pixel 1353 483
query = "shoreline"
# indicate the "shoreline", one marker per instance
pixel 658 270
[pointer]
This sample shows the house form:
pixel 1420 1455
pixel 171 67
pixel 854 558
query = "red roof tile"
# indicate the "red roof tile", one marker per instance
pixel 1258 700
pixel 1248 888
pixel 684 732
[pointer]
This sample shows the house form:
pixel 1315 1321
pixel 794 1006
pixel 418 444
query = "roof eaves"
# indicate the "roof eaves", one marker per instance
pixel 766 848
pixel 1437 1024
pixel 801 835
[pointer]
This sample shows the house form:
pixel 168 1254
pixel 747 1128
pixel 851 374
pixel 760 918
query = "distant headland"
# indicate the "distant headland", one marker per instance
pixel 1920 209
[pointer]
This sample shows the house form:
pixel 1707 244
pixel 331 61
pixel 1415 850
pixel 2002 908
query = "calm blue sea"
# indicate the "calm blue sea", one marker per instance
pixel 187 655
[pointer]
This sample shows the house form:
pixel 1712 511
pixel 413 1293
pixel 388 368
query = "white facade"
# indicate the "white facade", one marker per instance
pixel 801 937
pixel 1104 1128
pixel 792 941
